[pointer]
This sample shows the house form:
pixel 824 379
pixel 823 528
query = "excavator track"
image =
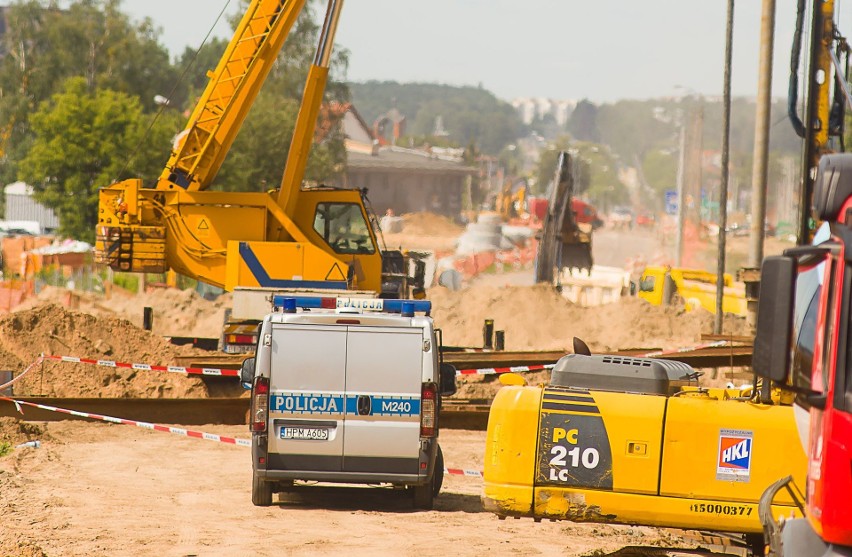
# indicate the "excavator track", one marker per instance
pixel 650 551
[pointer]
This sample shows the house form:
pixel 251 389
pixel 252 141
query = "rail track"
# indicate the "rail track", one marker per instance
pixel 734 355
pixel 454 414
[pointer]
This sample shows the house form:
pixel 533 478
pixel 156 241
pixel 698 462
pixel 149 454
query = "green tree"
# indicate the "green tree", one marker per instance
pixel 596 171
pixel 92 39
pixel 468 113
pixel 84 140
pixel 583 122
pixel 604 187
pixel 546 167
pixel 194 64
pixel 632 128
pixel 660 169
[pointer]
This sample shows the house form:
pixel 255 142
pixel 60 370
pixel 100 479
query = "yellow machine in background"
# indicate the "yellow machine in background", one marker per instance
pixel 635 441
pixel 292 238
pixel 695 287
pixel 511 204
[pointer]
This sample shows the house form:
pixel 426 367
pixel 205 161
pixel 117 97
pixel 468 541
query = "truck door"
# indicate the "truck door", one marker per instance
pixel 307 403
pixel 383 382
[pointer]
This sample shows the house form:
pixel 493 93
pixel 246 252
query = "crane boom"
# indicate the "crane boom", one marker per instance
pixel 222 109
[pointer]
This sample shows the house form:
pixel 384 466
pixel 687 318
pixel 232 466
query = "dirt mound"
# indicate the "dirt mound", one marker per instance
pixel 425 231
pixel 429 224
pixel 539 318
pixel 176 312
pixel 15 432
pixel 52 329
pixel 20 547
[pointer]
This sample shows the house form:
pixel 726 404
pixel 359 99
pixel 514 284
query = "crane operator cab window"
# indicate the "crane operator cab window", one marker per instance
pixel 343 227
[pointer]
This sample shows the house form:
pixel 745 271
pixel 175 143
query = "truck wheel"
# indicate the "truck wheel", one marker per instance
pixel 261 492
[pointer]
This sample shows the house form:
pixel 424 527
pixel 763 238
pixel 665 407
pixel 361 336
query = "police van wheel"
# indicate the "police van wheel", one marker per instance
pixel 424 495
pixel 261 492
pixel 438 476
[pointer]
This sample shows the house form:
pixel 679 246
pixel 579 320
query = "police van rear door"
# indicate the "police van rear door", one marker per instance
pixel 383 383
pixel 307 402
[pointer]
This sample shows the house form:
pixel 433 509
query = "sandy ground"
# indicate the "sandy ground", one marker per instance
pixel 104 490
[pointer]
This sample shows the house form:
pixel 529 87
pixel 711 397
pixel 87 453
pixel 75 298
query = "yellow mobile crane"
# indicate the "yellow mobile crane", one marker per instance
pixel 292 238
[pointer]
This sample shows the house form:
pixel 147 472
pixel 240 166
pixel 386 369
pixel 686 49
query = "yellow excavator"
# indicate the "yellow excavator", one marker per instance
pixel 615 439
pixel 293 238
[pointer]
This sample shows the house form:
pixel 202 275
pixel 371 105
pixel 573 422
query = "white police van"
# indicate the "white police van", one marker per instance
pixel 347 390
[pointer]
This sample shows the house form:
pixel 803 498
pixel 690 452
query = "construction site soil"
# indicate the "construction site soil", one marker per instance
pixel 532 317
pixel 95 489
pixel 425 231
pixel 53 330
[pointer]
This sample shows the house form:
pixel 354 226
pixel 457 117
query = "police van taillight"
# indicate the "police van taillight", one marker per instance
pixel 259 404
pixel 428 410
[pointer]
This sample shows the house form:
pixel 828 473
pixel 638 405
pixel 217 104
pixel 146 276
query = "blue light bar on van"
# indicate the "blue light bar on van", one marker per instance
pixel 406 307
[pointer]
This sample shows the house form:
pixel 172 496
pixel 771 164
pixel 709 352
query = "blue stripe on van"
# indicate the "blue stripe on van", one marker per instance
pixel 319 404
pixel 381 405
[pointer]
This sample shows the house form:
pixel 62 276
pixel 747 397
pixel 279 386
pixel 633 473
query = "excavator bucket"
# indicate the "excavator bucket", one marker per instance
pixel 562 244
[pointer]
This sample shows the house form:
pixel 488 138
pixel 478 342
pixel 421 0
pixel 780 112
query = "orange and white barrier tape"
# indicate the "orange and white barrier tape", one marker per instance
pixel 499 370
pixel 30 367
pixel 143 425
pixel 236 441
pixel 542 367
pixel 148 367
pixel 236 373
pixel 460 472
pixel 716 344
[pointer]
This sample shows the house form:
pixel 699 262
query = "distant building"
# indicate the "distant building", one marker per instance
pixel 22 208
pixel 403 180
pixel 530 108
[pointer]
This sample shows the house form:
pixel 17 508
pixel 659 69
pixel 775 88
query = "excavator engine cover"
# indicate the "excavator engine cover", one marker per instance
pixel 622 373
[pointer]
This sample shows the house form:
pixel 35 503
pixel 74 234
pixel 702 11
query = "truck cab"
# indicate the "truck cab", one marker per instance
pixel 803 342
pixel 347 390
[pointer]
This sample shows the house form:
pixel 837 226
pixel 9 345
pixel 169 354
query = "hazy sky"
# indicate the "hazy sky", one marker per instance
pixel 602 50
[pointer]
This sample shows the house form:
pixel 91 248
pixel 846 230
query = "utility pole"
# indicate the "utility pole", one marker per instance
pixel 761 158
pixel 761 135
pixel 681 202
pixel 723 181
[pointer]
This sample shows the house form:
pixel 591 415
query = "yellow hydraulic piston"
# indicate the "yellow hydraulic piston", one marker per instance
pixel 303 134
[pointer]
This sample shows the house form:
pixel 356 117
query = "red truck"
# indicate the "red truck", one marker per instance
pixel 804 344
pixel 583 212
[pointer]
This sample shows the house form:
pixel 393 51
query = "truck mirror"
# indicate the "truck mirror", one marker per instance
pixel 448 379
pixel 771 357
pixel 247 372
